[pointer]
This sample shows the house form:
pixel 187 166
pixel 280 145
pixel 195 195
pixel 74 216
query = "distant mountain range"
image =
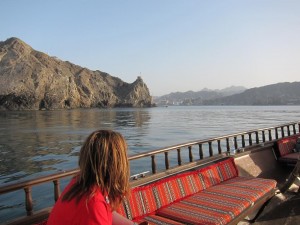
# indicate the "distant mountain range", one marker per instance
pixel 196 98
pixel 275 94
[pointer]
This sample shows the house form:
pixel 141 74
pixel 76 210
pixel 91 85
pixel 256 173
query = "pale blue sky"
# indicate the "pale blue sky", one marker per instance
pixel 174 45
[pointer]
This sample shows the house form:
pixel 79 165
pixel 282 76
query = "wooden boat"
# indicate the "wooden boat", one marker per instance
pixel 253 152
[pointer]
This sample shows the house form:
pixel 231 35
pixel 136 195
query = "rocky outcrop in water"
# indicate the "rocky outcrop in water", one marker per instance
pixel 32 80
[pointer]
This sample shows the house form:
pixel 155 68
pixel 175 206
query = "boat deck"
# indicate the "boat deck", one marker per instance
pixel 287 213
pixel 282 209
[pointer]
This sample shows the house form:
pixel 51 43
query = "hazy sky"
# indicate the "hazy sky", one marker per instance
pixel 173 45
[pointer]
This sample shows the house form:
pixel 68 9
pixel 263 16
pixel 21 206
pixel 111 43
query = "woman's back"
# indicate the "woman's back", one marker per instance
pixel 84 212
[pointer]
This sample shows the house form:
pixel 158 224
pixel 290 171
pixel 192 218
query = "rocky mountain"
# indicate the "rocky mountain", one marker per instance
pixel 196 98
pixel 275 94
pixel 32 80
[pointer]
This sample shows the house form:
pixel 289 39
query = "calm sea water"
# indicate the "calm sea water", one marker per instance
pixel 36 143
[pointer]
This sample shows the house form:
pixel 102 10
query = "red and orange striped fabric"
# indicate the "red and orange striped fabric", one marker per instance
pixel 287 145
pixel 214 194
pixel 219 204
pixel 140 203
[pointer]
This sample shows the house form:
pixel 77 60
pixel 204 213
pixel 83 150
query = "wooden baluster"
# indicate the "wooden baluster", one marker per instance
pixel 250 139
pixel 28 201
pixel 276 133
pixel 282 131
pixel 191 154
pixel 288 130
pixel 153 164
pixel 263 136
pixel 256 137
pixel 235 143
pixel 243 141
pixel 227 145
pixel 56 190
pixel 270 135
pixel 201 151
pixel 210 149
pixel 179 157
pixel 167 160
pixel 219 147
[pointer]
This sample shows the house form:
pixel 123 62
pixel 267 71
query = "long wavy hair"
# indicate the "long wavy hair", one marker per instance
pixel 103 164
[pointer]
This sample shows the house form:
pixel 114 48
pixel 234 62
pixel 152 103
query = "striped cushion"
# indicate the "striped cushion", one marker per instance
pixel 147 199
pixel 207 177
pixel 174 188
pixel 258 185
pixel 140 203
pixel 286 145
pixel 207 207
pixel 219 204
pixel 196 196
pixel 250 189
pixel 199 209
pixel 187 184
pixel 227 169
pixel 216 173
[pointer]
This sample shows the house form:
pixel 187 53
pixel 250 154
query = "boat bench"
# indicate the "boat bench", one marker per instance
pixel 215 194
pixel 285 150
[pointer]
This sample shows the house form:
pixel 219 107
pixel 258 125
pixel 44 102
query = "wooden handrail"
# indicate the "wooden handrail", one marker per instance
pixel 40 180
pixel 250 132
pixel 27 185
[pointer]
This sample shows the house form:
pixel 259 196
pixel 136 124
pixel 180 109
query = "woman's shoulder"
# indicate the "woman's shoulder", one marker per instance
pixel 99 196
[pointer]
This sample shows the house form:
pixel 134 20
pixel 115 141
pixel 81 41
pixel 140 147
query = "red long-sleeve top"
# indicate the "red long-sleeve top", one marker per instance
pixel 95 211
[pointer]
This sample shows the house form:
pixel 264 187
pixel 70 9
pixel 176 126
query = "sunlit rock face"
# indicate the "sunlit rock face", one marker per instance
pixel 32 80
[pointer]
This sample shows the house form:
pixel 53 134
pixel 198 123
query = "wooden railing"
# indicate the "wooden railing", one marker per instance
pixel 240 142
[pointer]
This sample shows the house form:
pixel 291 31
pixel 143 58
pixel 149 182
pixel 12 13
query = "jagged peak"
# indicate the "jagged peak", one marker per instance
pixel 139 80
pixel 16 43
pixel 11 39
pixel 14 40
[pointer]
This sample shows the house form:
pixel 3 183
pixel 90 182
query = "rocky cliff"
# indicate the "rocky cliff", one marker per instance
pixel 32 80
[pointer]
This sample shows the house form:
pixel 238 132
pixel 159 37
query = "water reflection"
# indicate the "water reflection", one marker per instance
pixel 35 143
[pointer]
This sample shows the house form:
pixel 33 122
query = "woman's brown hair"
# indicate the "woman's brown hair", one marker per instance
pixel 104 164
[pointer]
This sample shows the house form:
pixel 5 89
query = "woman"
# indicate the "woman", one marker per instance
pixel 92 196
